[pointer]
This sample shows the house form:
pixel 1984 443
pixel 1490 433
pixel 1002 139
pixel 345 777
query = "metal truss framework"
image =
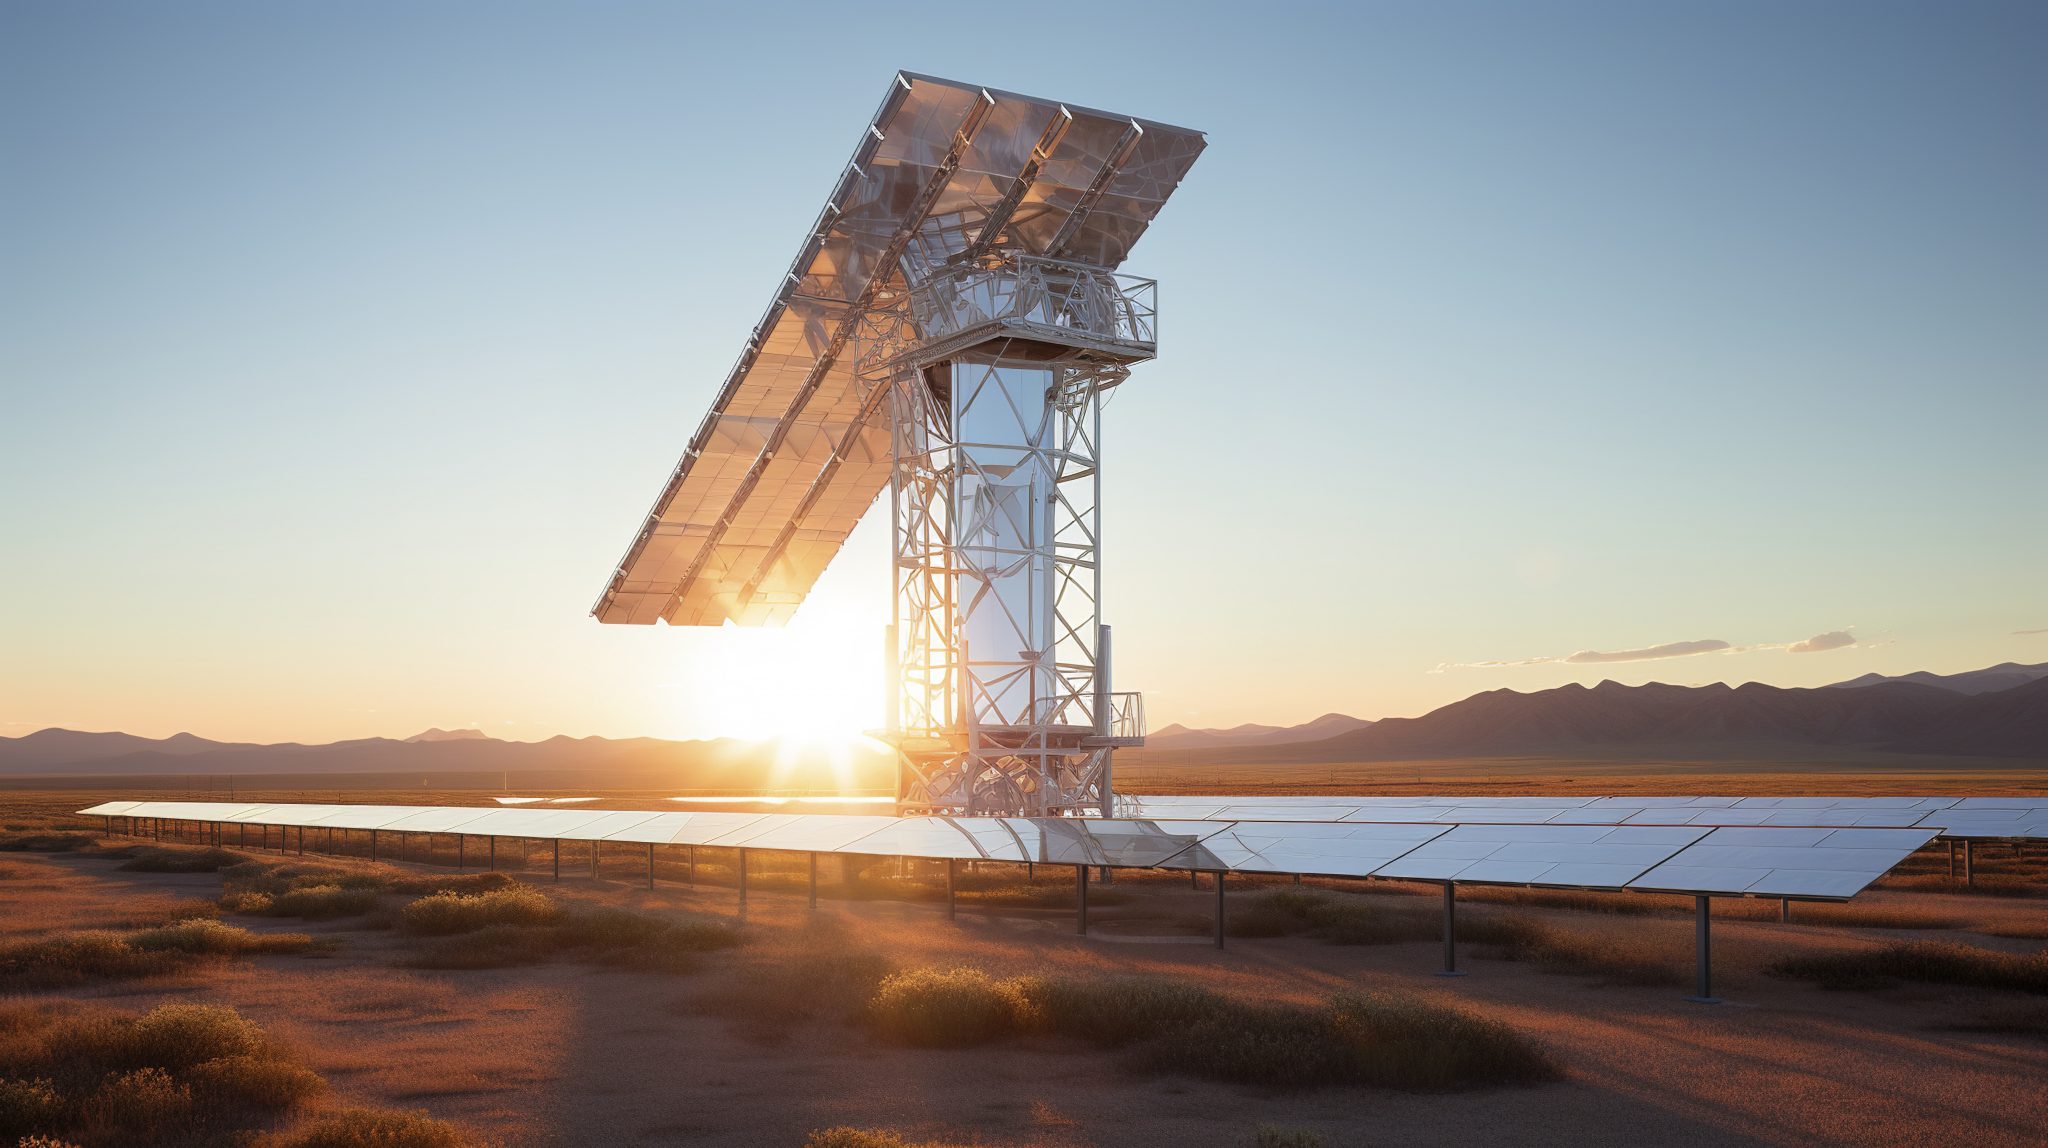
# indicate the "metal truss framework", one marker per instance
pixel 995 374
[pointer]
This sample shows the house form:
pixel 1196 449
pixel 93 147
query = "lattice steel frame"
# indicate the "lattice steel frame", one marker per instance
pixel 1028 727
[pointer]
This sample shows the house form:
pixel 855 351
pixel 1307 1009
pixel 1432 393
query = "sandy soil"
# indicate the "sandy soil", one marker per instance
pixel 570 1055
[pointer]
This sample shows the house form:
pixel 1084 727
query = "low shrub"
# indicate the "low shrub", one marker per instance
pixel 183 1074
pixel 438 914
pixel 370 1128
pixel 424 883
pixel 1169 1026
pixel 949 1008
pixel 47 842
pixel 1931 962
pixel 79 958
pixel 174 859
pixel 323 902
pixel 206 937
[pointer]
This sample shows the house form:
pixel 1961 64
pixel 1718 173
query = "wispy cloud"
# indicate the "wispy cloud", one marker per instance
pixel 2028 633
pixel 1650 653
pixel 1832 640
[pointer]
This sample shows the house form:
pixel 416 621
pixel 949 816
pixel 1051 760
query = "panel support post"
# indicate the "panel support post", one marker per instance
pixel 302 841
pixel 742 867
pixel 1195 879
pixel 952 869
pixel 593 860
pixel 1784 910
pixel 1703 959
pixel 1951 858
pixel 650 865
pixel 1970 863
pixel 1220 920
pixel 1450 968
pixel 690 869
pixel 461 848
pixel 492 848
pixel 1081 899
pixel 373 845
pixel 814 880
pixel 557 843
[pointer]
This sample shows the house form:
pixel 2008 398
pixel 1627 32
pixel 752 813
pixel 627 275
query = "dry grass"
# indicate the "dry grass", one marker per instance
pixel 516 931
pixel 373 1128
pixel 818 975
pixel 69 959
pixel 1273 1136
pixel 844 1137
pixel 31 841
pixel 180 859
pixel 194 1074
pixel 440 914
pixel 1172 1026
pixel 1336 918
pixel 1928 962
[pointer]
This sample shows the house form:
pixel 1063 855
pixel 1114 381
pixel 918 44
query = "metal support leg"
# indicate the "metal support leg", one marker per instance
pixel 558 857
pixel 1030 872
pixel 1951 858
pixel 593 860
pixel 302 841
pixel 1450 968
pixel 1220 921
pixel 951 869
pixel 493 850
pixel 1784 910
pixel 742 878
pixel 461 851
pixel 650 866
pixel 1081 899
pixel 690 870
pixel 1970 863
pixel 373 845
pixel 1703 990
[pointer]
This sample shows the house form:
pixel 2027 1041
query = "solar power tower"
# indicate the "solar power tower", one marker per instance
pixel 948 330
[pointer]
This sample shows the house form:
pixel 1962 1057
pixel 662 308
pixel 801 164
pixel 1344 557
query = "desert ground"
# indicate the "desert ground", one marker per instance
pixel 1916 1013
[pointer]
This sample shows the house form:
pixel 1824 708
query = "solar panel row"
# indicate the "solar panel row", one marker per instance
pixel 1806 862
pixel 1959 817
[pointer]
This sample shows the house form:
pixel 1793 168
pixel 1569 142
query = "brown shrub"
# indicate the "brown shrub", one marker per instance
pixel 438 914
pixel 370 1128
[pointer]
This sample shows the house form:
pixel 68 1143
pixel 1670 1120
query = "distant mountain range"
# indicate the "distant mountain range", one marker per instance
pixel 1659 721
pixel 1991 679
pixel 1181 737
pixel 1925 714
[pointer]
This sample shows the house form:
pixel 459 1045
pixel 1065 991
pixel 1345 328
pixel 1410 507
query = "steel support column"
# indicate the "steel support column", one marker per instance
pixel 1703 955
pixel 1221 922
pixel 1450 968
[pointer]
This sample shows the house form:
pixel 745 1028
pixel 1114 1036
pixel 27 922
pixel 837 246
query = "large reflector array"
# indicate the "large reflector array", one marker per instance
pixel 2006 818
pixel 792 453
pixel 1811 863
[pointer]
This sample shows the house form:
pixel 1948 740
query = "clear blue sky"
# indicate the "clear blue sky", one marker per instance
pixel 343 347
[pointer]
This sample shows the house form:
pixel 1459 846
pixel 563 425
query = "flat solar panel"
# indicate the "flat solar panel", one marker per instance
pixel 1783 862
pixel 1812 862
pixel 1558 856
pixel 1330 850
pixel 791 454
pixel 945 838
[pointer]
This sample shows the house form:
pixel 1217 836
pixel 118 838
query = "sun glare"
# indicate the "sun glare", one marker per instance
pixel 813 684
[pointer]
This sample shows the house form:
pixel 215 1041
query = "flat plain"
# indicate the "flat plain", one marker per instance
pixel 525 1010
